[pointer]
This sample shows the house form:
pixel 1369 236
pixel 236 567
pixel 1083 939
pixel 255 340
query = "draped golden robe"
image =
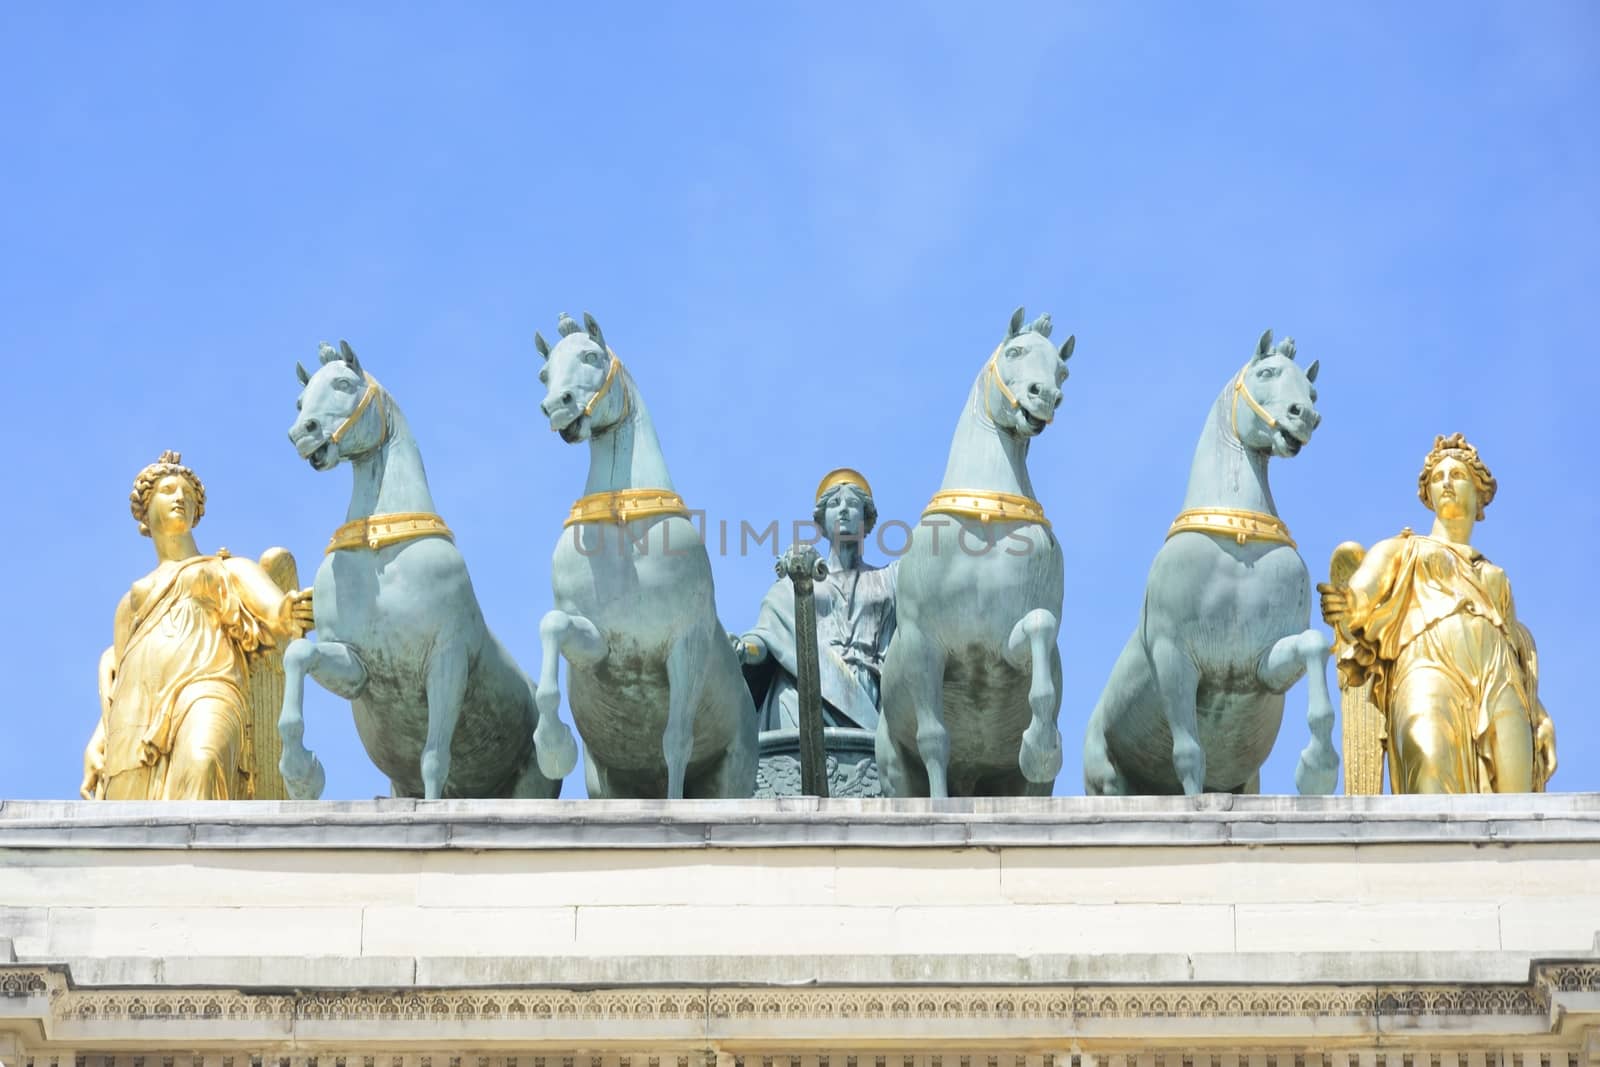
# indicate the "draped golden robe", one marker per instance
pixel 174 717
pixel 1432 626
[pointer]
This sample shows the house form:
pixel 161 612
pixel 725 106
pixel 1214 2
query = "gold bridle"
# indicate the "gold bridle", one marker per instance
pixel 1261 412
pixel 992 369
pixel 599 394
pixel 361 406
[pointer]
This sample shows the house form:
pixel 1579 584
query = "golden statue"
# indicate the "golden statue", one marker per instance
pixel 191 686
pixel 1436 669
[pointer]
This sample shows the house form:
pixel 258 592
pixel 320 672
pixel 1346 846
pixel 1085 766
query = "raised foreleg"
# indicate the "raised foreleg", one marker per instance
pixel 572 636
pixel 1307 653
pixel 340 671
pixel 1033 643
pixel 1177 682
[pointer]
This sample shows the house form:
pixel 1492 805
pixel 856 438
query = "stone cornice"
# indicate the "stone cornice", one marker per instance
pixel 1555 990
pixel 805 823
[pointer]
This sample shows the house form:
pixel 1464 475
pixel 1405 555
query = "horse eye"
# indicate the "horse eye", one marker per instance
pixel 1013 353
pixel 297 403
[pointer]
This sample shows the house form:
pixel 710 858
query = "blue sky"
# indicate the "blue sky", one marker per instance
pixel 804 228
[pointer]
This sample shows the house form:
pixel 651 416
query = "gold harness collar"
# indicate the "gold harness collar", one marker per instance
pixel 618 506
pixel 378 531
pixel 986 505
pixel 1238 523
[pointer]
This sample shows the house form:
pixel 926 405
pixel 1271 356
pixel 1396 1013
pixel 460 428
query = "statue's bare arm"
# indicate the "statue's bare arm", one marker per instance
pixel 287 613
pixel 1349 608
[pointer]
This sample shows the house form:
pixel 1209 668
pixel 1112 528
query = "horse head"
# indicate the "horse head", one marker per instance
pixel 1272 402
pixel 1020 386
pixel 341 414
pixel 582 399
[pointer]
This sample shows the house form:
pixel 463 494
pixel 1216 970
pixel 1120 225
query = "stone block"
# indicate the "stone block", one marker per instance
pixel 1439 925
pixel 25 928
pixel 884 877
pixel 100 878
pixel 1551 925
pixel 199 931
pixel 533 930
pixel 629 876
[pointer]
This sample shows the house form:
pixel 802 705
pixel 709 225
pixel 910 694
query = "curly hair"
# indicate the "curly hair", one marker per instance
pixel 169 464
pixel 1457 447
pixel 869 510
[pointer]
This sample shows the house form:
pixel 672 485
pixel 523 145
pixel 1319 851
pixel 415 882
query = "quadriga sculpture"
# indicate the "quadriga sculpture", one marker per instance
pixel 441 707
pixel 1196 698
pixel 972 680
pixel 656 690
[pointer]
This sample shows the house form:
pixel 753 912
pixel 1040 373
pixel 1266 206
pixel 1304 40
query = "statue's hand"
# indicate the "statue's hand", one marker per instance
pixel 750 651
pixel 1544 747
pixel 1335 603
pixel 297 609
pixel 94 768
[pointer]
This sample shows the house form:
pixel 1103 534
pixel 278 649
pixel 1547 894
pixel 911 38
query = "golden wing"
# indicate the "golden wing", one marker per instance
pixel 258 766
pixel 1363 719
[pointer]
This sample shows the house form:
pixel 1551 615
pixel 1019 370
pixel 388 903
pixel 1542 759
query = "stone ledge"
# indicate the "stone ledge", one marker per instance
pixel 803 822
pixel 376 973
pixel 1555 996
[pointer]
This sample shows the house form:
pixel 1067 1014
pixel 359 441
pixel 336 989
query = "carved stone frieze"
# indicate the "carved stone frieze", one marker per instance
pixel 910 1002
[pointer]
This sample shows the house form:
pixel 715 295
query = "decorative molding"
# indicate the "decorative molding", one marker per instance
pixel 1253 1054
pixel 1099 1002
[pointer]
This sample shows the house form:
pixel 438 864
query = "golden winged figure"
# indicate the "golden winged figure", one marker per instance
pixel 191 686
pixel 1438 674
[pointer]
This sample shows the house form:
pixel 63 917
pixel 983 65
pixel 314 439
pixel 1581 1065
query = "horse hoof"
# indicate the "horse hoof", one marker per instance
pixel 1316 775
pixel 1040 763
pixel 557 752
pixel 300 780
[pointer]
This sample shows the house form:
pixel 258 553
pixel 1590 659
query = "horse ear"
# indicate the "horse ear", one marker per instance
pixel 593 329
pixel 1067 346
pixel 541 344
pixel 1016 323
pixel 1311 371
pixel 348 354
pixel 300 372
pixel 1264 346
pixel 326 353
